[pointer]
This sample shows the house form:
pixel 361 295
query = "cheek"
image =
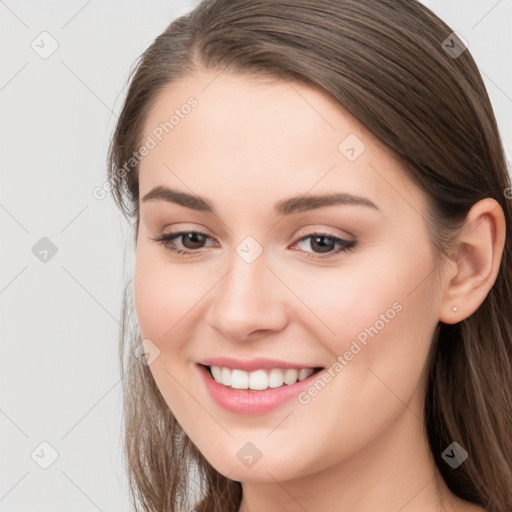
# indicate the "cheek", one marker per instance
pixel 383 328
pixel 377 320
pixel 164 303
pixel 162 296
pixel 368 294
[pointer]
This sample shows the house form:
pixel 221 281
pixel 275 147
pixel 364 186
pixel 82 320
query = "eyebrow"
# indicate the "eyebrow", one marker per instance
pixel 284 207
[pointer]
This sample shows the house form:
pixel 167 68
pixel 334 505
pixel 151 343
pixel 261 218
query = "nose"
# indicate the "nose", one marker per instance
pixel 249 299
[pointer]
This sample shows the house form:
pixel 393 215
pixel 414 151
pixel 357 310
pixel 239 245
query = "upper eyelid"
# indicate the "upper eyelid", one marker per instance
pixel 303 232
pixel 313 232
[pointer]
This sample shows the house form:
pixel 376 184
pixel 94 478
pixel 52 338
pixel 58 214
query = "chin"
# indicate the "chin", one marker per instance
pixel 267 469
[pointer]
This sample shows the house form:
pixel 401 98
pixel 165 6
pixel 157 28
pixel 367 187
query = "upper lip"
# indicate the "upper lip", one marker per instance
pixel 252 364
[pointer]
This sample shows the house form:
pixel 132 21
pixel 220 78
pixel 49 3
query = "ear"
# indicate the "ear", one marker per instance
pixel 478 252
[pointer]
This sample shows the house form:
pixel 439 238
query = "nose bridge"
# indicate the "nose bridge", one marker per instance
pixel 243 279
pixel 247 299
pixel 245 289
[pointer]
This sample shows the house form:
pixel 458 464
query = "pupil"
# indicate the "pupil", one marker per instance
pixel 316 240
pixel 196 240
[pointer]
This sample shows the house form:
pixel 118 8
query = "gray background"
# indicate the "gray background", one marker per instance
pixel 60 317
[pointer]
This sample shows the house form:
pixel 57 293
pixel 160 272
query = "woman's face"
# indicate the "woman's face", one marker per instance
pixel 310 251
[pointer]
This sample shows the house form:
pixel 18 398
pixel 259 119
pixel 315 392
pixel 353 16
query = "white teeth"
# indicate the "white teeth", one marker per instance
pixel 290 377
pixel 275 378
pixel 226 376
pixel 303 374
pixel 239 379
pixel 259 379
pixel 217 373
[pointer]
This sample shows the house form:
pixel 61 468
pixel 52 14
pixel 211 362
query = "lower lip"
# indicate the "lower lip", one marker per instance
pixel 248 401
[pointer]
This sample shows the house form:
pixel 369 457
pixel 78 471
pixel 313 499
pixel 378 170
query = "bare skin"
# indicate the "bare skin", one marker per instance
pixel 358 445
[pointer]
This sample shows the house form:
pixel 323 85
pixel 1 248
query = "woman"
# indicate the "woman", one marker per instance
pixel 323 264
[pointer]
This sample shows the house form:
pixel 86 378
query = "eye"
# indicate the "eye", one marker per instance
pixel 324 243
pixel 190 240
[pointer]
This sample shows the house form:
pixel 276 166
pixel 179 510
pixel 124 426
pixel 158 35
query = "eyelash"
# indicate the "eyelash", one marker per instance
pixel 167 241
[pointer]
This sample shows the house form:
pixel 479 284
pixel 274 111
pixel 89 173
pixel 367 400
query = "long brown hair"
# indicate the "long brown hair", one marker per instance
pixel 388 64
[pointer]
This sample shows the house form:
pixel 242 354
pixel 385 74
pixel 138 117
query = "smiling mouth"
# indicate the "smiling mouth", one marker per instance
pixel 259 380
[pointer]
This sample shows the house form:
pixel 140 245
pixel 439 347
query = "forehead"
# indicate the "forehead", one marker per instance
pixel 231 134
pixel 275 105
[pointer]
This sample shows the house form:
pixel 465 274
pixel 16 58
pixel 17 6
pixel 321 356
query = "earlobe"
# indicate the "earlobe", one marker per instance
pixel 479 250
